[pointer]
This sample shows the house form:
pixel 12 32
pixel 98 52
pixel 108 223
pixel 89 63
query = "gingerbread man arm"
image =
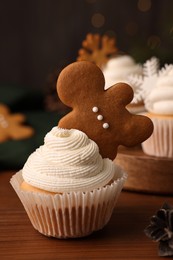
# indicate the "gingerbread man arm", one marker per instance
pixel 100 113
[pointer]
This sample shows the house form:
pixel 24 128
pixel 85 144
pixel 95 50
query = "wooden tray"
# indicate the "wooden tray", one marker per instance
pixel 146 173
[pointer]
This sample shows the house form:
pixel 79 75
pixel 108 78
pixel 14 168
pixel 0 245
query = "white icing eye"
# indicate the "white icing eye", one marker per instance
pixel 95 109
pixel 105 125
pixel 100 117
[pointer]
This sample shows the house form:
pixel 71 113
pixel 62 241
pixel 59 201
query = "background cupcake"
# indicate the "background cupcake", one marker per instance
pixel 156 89
pixel 119 69
pixel 159 103
pixel 66 187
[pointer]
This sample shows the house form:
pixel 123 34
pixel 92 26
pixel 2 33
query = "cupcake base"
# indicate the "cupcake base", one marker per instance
pixel 160 143
pixel 69 215
pixel 146 173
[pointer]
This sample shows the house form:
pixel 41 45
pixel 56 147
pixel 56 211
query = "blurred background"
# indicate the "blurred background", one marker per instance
pixel 38 36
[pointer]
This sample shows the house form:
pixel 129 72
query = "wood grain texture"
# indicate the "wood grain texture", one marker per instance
pixel 146 173
pixel 122 238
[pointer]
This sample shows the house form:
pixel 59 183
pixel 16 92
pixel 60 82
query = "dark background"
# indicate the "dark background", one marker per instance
pixel 38 36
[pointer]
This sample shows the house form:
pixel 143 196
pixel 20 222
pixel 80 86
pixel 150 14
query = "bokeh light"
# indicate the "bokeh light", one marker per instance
pixel 98 20
pixel 144 5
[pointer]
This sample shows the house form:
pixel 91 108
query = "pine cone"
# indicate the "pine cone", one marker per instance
pixel 161 230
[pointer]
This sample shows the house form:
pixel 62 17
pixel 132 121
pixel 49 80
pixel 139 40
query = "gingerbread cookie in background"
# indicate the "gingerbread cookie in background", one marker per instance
pixel 100 113
pixel 97 49
pixel 115 65
pixel 11 125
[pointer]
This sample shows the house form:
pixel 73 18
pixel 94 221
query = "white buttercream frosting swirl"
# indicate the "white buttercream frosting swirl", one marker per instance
pixel 160 99
pixel 68 161
pixel 119 68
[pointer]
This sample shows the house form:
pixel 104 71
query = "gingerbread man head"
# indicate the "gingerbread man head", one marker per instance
pixel 99 113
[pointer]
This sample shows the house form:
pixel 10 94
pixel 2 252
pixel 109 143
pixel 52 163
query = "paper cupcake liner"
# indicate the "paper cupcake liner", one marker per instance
pixel 68 215
pixel 160 143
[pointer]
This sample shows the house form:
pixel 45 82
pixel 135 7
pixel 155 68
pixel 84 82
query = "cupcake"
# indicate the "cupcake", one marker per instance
pixel 159 104
pixel 67 189
pixel 156 89
pixel 69 185
pixel 119 68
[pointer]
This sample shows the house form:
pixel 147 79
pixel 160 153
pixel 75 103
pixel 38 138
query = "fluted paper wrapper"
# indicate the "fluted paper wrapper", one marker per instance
pixel 68 215
pixel 160 143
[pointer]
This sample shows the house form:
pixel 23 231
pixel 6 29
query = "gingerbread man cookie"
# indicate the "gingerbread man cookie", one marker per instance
pixel 11 125
pixel 99 113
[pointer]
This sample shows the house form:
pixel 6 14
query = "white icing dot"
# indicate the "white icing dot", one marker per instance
pixel 100 117
pixel 105 125
pixel 95 109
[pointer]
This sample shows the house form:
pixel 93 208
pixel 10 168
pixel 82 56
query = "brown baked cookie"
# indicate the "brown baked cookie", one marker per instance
pixel 11 125
pixel 97 49
pixel 99 113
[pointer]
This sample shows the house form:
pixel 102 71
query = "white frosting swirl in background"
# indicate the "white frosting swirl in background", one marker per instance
pixel 160 99
pixel 119 68
pixel 68 161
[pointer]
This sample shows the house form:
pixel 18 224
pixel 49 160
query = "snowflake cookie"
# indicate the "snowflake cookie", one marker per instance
pixel 146 84
pixel 97 49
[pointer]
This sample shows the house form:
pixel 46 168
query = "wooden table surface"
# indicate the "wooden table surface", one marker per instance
pixel 122 238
